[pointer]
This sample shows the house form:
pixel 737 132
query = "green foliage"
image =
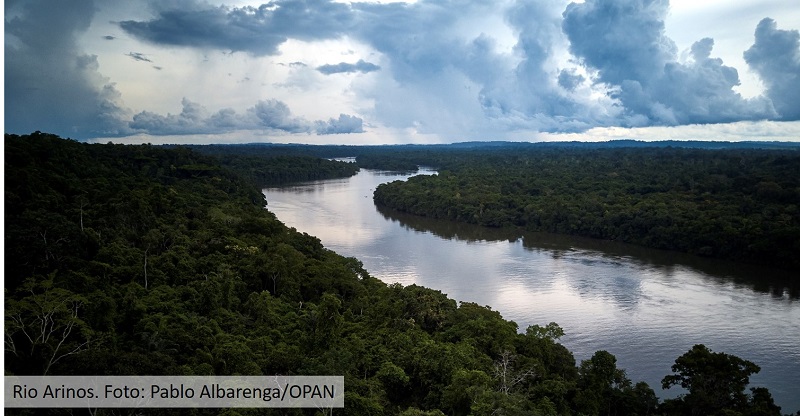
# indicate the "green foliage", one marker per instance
pixel 126 260
pixel 728 203
pixel 716 383
pixel 271 166
pixel 606 390
pixel 386 162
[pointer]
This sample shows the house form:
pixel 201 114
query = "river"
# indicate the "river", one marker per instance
pixel 647 307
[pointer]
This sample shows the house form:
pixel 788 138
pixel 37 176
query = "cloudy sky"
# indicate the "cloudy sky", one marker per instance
pixel 430 71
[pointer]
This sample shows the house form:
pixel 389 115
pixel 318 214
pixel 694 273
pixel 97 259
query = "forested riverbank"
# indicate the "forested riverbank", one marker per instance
pixel 147 260
pixel 738 204
pixel 271 166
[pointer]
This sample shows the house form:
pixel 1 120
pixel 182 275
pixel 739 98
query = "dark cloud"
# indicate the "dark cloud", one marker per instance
pixel 50 83
pixel 269 115
pixel 569 80
pixel 536 91
pixel 138 56
pixel 344 67
pixel 344 124
pixel 596 63
pixel 421 39
pixel 775 56
pixel 256 30
pixel 622 41
pixel 702 91
pixel 625 41
pixel 456 80
pixel 460 78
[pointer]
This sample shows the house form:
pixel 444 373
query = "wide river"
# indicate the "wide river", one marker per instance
pixel 647 307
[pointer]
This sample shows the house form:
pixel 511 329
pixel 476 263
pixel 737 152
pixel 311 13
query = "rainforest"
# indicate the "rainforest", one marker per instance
pixel 151 260
pixel 726 203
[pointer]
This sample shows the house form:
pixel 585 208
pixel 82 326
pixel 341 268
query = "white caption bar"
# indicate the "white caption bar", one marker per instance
pixel 174 391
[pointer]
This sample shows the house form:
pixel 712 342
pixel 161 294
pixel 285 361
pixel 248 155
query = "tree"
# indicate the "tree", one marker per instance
pixel 43 327
pixel 716 381
pixel 600 384
pixel 465 390
pixel 507 375
pixel 762 404
pixel 327 320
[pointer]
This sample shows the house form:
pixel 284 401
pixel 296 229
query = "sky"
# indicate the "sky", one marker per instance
pixel 430 71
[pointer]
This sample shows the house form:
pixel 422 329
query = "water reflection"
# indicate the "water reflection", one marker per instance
pixel 780 284
pixel 645 306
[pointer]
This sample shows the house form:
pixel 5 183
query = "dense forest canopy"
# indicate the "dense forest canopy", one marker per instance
pixel 728 203
pixel 278 165
pixel 145 260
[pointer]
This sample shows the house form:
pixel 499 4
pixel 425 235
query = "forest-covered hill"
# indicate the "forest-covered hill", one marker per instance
pixel 143 260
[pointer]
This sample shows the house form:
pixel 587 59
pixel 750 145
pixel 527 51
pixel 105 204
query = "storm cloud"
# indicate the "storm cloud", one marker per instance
pixel 50 83
pixel 776 57
pixel 255 30
pixel 462 69
pixel 625 42
pixel 439 73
